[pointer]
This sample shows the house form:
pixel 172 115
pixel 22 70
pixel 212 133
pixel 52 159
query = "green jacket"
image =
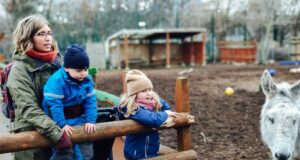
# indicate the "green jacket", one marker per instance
pixel 25 83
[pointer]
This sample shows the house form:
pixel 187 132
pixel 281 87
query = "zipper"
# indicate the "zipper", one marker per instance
pixel 147 146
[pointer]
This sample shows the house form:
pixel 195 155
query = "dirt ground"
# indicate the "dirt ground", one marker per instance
pixel 227 127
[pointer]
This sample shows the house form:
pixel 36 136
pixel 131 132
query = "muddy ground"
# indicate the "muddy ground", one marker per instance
pixel 227 127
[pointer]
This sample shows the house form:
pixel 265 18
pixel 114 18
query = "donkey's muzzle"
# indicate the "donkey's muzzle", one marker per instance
pixel 282 156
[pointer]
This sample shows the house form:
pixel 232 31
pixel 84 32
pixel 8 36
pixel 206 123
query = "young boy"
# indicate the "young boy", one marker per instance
pixel 69 100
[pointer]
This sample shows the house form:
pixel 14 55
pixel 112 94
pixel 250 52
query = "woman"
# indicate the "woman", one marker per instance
pixel 35 59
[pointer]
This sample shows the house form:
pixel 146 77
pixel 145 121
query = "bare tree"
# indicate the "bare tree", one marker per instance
pixel 77 21
pixel 263 16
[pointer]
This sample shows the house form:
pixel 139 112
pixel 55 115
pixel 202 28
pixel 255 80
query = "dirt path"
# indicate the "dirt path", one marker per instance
pixel 227 127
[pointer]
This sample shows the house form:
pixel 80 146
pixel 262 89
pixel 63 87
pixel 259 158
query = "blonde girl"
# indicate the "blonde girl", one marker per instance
pixel 132 106
pixel 142 104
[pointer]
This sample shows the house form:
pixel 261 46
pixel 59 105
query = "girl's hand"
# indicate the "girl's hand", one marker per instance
pixel 171 114
pixel 68 129
pixel 89 127
pixel 169 122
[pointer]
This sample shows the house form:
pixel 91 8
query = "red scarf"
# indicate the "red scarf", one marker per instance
pixel 150 104
pixel 44 56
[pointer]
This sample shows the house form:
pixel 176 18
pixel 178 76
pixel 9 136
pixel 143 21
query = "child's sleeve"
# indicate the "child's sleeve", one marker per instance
pixel 164 105
pixel 119 113
pixel 149 118
pixel 53 99
pixel 90 104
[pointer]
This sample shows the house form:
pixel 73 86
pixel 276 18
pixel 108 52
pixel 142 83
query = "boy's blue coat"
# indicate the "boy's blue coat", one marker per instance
pixel 60 91
pixel 145 145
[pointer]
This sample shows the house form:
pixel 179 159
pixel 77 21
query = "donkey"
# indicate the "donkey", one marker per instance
pixel 279 119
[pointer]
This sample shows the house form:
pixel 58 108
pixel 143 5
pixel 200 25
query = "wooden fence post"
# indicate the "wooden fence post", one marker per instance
pixel 192 52
pixel 126 52
pixel 204 49
pixel 168 52
pixel 183 105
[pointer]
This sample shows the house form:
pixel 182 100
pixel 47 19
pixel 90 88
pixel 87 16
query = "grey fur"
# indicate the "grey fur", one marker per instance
pixel 279 119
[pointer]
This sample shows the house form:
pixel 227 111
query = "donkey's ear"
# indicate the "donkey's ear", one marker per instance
pixel 296 89
pixel 267 84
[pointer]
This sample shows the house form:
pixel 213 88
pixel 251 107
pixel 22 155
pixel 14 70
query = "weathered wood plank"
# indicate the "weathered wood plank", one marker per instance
pixel 183 155
pixel 32 139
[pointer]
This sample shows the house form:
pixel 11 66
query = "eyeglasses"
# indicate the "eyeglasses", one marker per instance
pixel 44 34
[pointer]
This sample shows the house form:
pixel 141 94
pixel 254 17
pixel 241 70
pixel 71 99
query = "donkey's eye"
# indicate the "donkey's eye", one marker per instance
pixel 271 120
pixel 282 93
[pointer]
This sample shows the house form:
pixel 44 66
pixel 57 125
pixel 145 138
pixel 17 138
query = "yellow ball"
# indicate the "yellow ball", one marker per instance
pixel 229 91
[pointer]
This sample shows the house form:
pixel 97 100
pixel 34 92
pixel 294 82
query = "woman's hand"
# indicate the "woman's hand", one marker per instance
pixel 64 142
pixel 68 129
pixel 89 127
pixel 171 114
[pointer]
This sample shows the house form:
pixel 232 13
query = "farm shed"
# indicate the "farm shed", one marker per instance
pixel 157 47
pixel 237 51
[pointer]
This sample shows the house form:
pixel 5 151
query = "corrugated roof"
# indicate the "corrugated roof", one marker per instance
pixel 156 33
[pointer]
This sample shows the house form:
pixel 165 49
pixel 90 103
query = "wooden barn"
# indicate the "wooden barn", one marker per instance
pixel 150 47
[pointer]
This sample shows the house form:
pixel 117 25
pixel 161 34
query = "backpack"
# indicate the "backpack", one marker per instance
pixel 8 106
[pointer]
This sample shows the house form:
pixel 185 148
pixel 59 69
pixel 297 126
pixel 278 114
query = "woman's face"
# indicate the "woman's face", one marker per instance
pixel 42 40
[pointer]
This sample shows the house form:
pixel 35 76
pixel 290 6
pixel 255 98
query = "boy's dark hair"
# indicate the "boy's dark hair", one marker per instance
pixel 76 57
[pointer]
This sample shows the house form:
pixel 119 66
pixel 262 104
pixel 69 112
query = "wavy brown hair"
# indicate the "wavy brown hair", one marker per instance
pixel 25 30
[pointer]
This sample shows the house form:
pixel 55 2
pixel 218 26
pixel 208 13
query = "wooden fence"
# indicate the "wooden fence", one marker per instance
pixel 33 139
pixel 237 51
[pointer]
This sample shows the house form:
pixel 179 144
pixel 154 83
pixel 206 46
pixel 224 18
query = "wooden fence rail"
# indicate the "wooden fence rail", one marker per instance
pixel 32 139
pixel 186 155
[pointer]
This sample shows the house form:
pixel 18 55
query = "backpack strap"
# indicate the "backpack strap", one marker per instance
pixel 8 106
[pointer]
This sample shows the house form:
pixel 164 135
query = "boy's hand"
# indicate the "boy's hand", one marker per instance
pixel 68 129
pixel 171 114
pixel 89 127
